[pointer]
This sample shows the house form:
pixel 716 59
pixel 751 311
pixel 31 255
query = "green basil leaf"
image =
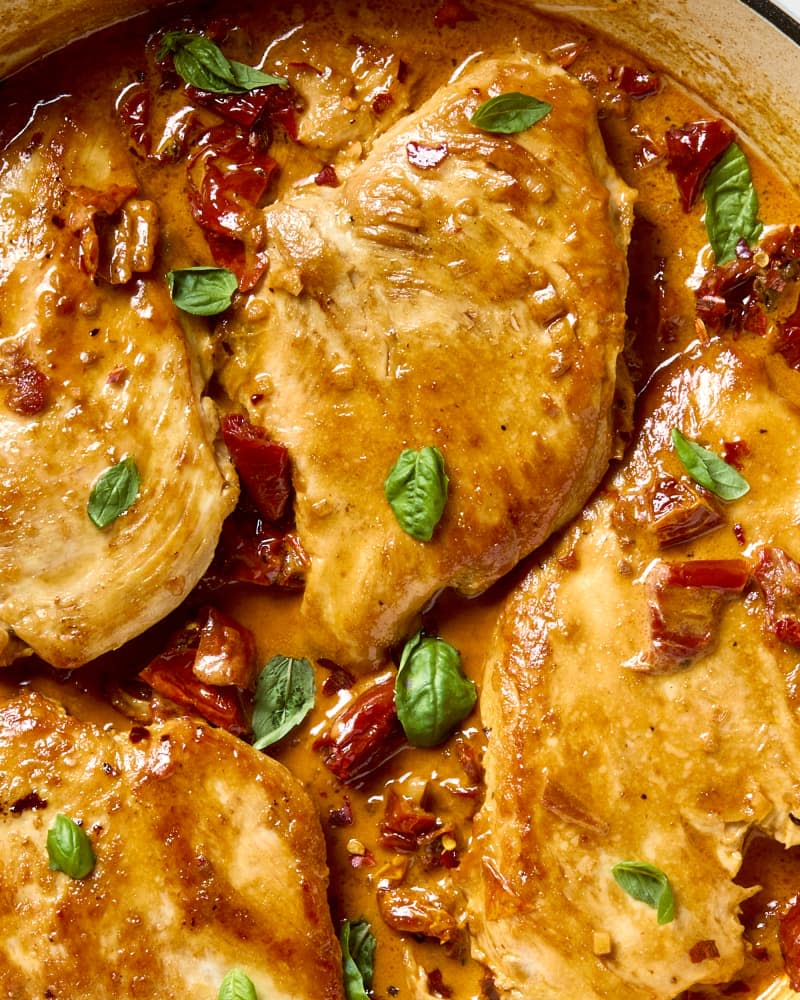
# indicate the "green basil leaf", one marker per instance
pixel 510 113
pixel 709 469
pixel 431 694
pixel 285 694
pixel 647 884
pixel 68 848
pixel 416 489
pixel 202 291
pixel 358 958
pixel 114 492
pixel 731 204
pixel 237 985
pixel 201 63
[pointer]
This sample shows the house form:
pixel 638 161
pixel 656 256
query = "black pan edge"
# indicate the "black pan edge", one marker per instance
pixel 783 21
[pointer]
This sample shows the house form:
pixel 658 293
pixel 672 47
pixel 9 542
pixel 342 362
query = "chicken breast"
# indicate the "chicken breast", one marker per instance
pixel 462 290
pixel 94 370
pixel 641 701
pixel 209 857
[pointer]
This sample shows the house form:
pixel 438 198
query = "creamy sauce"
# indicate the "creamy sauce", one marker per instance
pixel 97 73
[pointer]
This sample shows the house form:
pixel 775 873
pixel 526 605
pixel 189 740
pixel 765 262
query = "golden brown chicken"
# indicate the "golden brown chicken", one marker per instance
pixel 462 290
pixel 94 370
pixel 641 699
pixel 209 857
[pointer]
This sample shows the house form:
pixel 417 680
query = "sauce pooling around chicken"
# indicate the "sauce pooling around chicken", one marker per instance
pixel 398 820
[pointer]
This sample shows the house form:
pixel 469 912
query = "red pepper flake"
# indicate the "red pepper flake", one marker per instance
pixel 739 535
pixel 342 816
pixel 117 375
pixel 734 451
pixel 424 156
pixel 450 13
pixel 382 102
pixel 327 177
pixel 365 860
pixel 692 150
pixel 30 801
pixel 404 824
pixel 637 83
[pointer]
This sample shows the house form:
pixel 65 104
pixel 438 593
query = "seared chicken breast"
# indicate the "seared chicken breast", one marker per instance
pixel 463 290
pixel 641 701
pixel 209 857
pixel 94 370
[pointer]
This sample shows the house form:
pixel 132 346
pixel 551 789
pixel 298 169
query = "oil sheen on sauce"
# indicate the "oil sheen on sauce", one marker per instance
pixel 433 41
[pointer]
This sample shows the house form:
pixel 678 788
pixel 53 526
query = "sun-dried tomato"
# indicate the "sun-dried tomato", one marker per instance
pixel 685 601
pixel 172 675
pixel 692 150
pixel 739 295
pixel 225 651
pixel 255 551
pixel 255 109
pixel 404 823
pixel 364 735
pixel 263 466
pixel 413 910
pixel 778 576
pixel 133 107
pixel 677 513
pixel 638 83
pixel 789 940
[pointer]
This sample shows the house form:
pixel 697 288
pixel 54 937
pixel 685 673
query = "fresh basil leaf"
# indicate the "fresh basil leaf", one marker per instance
pixel 285 694
pixel 358 958
pixel 202 291
pixel 416 489
pixel 647 884
pixel 731 204
pixel 431 694
pixel 510 113
pixel 69 849
pixel 237 985
pixel 709 469
pixel 202 64
pixel 114 492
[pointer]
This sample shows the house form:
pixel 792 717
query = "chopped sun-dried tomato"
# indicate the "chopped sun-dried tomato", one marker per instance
pixel 225 652
pixel 364 735
pixel 228 175
pixel 692 150
pixel 685 601
pixel 172 675
pixel 637 83
pixel 788 340
pixel 413 910
pixel 263 466
pixel 254 109
pixel 133 107
pixel 404 823
pixel 381 102
pixel 253 550
pixel 327 177
pixel 789 940
pixel 778 576
pixel 739 295
pixel 677 513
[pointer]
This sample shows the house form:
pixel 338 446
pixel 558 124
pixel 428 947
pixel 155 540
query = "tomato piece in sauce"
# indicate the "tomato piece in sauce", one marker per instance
pixel 692 150
pixel 263 466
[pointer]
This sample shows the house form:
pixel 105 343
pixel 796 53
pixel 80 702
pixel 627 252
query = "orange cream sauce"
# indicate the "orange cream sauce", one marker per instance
pixel 88 80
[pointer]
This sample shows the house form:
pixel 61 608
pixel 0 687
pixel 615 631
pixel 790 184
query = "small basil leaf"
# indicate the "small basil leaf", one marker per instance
pixel 113 493
pixel 201 63
pixel 202 291
pixel 68 848
pixel 285 694
pixel 510 113
pixel 731 204
pixel 416 489
pixel 647 884
pixel 237 986
pixel 432 695
pixel 358 958
pixel 709 469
